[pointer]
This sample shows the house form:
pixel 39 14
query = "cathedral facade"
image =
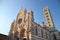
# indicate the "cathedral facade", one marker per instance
pixel 24 27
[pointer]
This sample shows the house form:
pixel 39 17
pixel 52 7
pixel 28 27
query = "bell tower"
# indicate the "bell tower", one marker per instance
pixel 48 18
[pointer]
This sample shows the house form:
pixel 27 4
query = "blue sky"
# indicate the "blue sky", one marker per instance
pixel 10 8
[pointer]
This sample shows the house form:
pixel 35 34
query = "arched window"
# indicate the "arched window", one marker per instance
pixel 42 32
pixel 54 37
pixel 24 39
pixel 36 31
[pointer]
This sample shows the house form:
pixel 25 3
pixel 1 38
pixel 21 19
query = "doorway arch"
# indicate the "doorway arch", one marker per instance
pixel 24 39
pixel 54 37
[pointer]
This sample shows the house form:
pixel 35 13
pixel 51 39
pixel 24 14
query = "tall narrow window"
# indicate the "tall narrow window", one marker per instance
pixel 46 34
pixel 36 31
pixel 41 32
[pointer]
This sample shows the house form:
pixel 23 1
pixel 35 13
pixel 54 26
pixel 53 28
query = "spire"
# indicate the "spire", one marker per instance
pixel 30 12
pixel 25 10
pixel 42 24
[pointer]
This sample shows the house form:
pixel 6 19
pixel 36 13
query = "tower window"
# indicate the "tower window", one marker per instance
pixel 45 10
pixel 48 19
pixel 49 25
pixel 48 22
pixel 47 16
pixel 46 13
pixel 36 31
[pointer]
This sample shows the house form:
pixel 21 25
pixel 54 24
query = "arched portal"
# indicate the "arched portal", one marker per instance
pixel 24 39
pixel 54 37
